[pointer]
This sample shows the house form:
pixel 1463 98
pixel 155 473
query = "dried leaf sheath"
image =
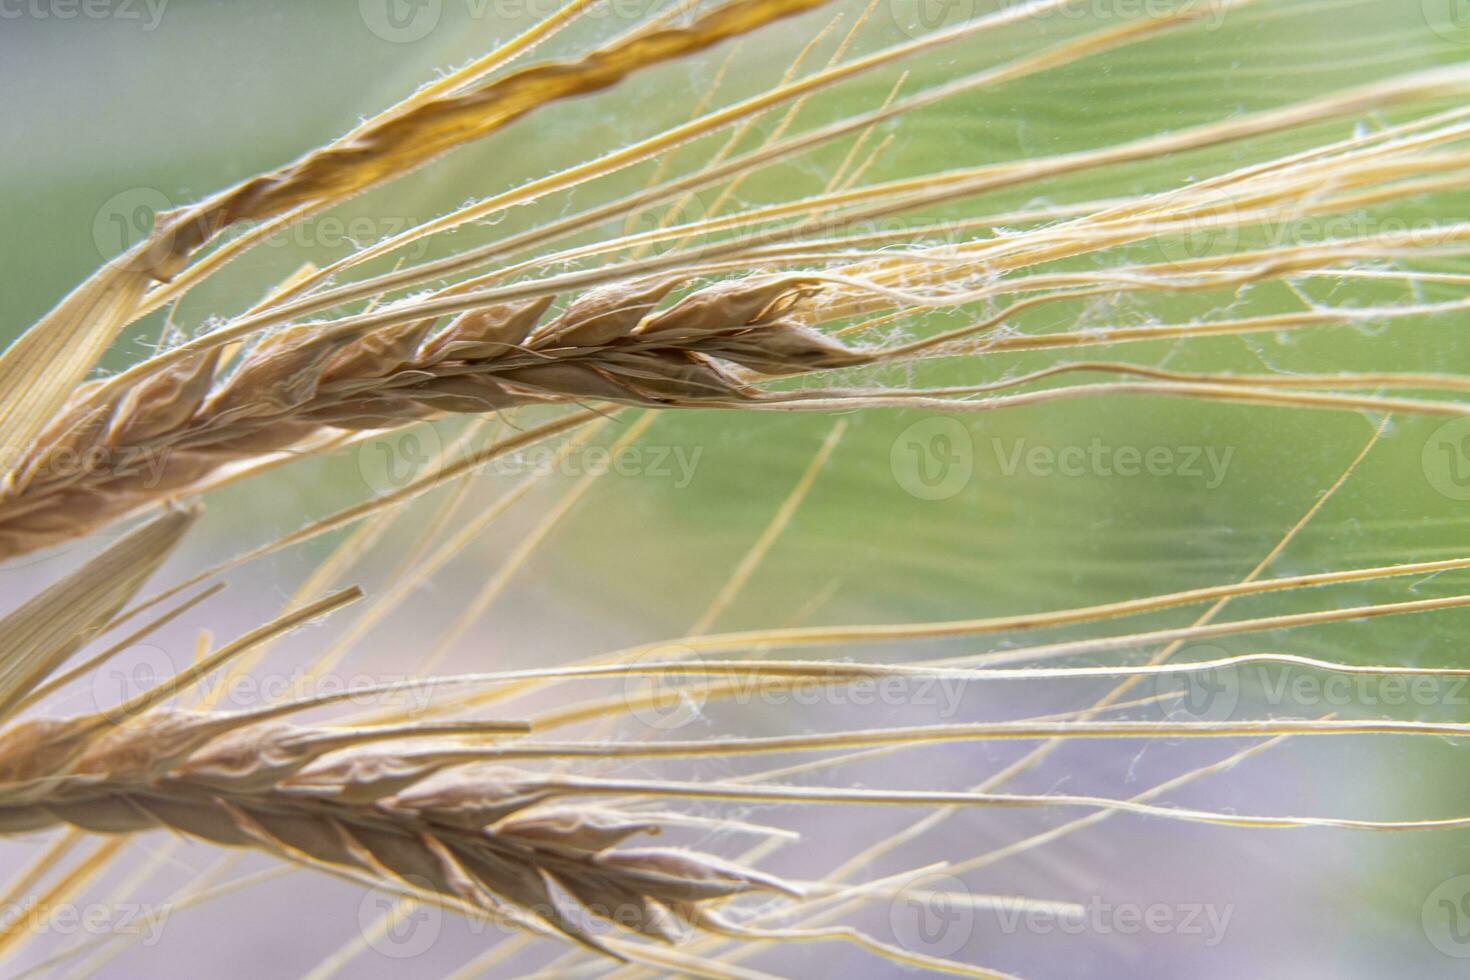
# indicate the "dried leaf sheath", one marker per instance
pixel 490 836
pixel 94 465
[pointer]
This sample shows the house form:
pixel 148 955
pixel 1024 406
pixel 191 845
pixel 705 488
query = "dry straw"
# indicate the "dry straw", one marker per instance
pixel 356 800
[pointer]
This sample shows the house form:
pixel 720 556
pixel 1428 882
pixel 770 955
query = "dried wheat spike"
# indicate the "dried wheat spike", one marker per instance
pixel 94 465
pixel 492 837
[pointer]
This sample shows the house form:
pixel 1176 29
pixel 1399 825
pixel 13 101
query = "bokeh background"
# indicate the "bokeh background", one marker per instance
pixel 108 118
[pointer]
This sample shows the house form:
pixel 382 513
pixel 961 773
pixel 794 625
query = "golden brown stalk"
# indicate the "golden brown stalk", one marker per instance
pixel 94 465
pixel 346 800
pixel 58 351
